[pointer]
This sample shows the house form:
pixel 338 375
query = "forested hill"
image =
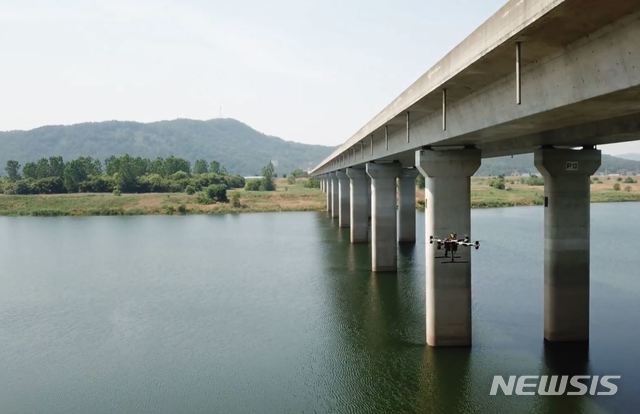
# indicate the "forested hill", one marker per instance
pixel 240 148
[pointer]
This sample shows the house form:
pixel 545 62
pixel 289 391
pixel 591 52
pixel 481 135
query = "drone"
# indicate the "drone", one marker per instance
pixel 451 244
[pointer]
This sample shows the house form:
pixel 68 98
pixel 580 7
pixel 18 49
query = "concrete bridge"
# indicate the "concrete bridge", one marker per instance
pixel 553 77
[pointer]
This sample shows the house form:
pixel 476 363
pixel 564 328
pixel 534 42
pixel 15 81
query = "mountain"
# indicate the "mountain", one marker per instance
pixel 240 148
pixel 632 156
pixel 523 164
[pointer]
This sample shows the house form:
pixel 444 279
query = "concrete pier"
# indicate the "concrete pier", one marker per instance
pixel 343 199
pixel 407 205
pixel 327 193
pixel 566 240
pixel 333 190
pixel 359 215
pixel 368 197
pixel 448 210
pixel 383 215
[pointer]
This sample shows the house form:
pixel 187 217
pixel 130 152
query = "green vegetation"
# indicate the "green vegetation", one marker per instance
pixel 286 197
pixel 532 180
pixel 123 174
pixel 213 193
pixel 303 195
pixel 312 183
pixel 497 183
pixel 265 183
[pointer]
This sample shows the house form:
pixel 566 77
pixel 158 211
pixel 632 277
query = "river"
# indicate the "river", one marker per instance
pixel 278 312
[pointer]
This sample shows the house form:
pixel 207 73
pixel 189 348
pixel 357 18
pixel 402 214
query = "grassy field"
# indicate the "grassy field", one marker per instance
pixel 288 197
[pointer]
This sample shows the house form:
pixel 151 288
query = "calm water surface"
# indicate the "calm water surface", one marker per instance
pixel 270 313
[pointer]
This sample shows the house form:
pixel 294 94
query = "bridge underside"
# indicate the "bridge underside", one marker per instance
pixel 542 76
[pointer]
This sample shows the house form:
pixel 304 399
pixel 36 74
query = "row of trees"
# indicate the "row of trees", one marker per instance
pixel 117 174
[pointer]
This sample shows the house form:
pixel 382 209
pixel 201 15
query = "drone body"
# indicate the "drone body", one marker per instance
pixel 450 245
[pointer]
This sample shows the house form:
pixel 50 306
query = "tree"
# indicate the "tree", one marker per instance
pixel 215 167
pixel 77 171
pixel 13 170
pixel 267 183
pixel 30 170
pixel 42 168
pixel 56 166
pixel 200 167
pixel 213 193
pixel 174 164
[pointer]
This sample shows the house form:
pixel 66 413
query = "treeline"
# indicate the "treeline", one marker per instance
pixel 118 174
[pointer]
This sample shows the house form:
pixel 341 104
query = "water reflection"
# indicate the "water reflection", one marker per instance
pixel 280 313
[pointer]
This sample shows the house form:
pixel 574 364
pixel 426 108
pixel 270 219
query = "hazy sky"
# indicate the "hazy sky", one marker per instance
pixel 308 71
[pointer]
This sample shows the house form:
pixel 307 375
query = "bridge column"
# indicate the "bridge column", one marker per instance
pixel 359 202
pixel 333 190
pixel 322 184
pixel 327 192
pixel 343 199
pixel 383 216
pixel 407 205
pixel 368 197
pixel 448 210
pixel 566 240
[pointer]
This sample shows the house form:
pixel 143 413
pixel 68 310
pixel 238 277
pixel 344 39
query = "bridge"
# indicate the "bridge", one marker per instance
pixel 552 77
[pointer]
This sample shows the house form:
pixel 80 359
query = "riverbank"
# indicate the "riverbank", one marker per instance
pixel 288 197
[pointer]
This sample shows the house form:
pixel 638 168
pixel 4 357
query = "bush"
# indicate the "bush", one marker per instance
pixel 312 183
pixel 213 193
pixel 627 189
pixel 630 180
pixel 190 189
pixel 235 199
pixel 182 209
pixel 616 187
pixel 291 179
pixel 252 185
pixel 22 187
pixel 179 175
pixel 534 180
pixel 97 184
pixel 234 181
pixel 497 183
pixel 49 185
pixel 267 184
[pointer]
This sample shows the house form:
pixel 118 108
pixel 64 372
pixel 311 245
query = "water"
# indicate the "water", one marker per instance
pixel 279 313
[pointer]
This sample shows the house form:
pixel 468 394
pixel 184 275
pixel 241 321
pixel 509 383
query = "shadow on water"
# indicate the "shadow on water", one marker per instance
pixel 445 385
pixel 569 358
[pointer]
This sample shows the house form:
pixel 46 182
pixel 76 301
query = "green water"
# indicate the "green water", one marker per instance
pixel 272 313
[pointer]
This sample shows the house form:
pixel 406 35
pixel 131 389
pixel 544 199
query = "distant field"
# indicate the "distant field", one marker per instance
pixel 288 197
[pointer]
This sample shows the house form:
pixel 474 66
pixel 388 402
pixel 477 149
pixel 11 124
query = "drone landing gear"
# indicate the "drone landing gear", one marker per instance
pixel 450 245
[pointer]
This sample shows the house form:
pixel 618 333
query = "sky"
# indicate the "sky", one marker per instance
pixel 308 71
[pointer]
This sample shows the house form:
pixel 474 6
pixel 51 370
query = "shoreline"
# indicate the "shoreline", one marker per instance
pixel 287 197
